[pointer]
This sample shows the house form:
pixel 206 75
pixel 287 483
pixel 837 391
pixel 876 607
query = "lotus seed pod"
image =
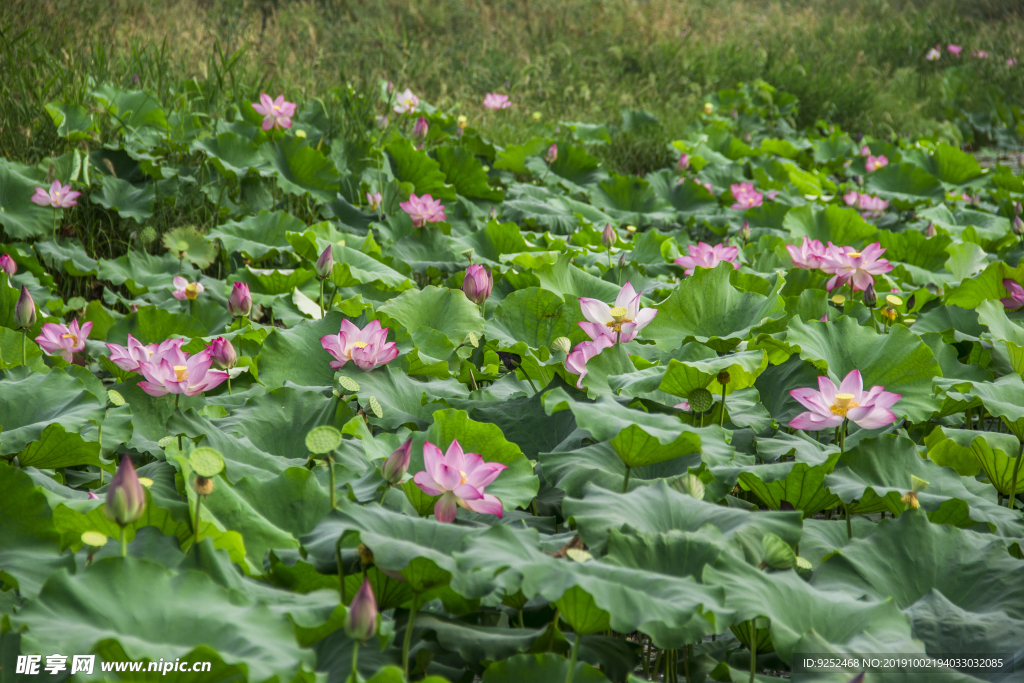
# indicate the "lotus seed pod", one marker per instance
pixel 723 377
pixel 203 486
pixel 147 235
pixel 700 400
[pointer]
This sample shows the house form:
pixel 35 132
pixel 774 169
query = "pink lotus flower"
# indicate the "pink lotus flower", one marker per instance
pixel 865 151
pixel 746 196
pixel 684 161
pixel 576 361
pixel 621 322
pixel 64 339
pixel 872 207
pixel 192 377
pixel 420 128
pixel 459 478
pixel 875 163
pixel 828 407
pixel 240 301
pixel 275 113
pixel 367 348
pixel 551 156
pixel 856 267
pixel 954 49
pixel 851 197
pixel 685 405
pixel 59 196
pixel 771 195
pixel 183 289
pixel 1012 61
pixel 374 200
pixel 704 255
pixel 1014 301
pixel 477 283
pixel 495 101
pixel 7 265
pixel 980 54
pixel 222 353
pixel 137 353
pixel 424 209
pixel 809 255
pixel 406 102
pixel 933 54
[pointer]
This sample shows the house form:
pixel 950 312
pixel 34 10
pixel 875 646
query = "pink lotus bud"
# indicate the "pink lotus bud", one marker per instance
pixel 419 130
pixel 25 309
pixel 1018 225
pixel 477 284
pixel 240 302
pixel 361 619
pixel 745 231
pixel 1017 208
pixel 684 161
pixel 126 499
pixel 552 154
pixel 222 353
pixel 324 264
pixel 7 265
pixel 609 237
pixel 930 231
pixel 397 464
pixel 869 296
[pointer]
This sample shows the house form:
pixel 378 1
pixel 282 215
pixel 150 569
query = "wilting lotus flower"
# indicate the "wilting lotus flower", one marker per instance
pixel 620 322
pixel 684 161
pixel 854 266
pixel 477 284
pixel 274 112
pixel 828 407
pixel 64 339
pixel 933 54
pixel 25 310
pixel 126 499
pixel 980 54
pixel 406 102
pixel 183 289
pixel 704 255
pixel 551 156
pixel 361 618
pixel 954 49
pixel 324 263
pixel 423 209
pixel 59 196
pixel 240 301
pixel 374 200
pixel 1016 292
pixel 397 464
pixel 874 163
pixel 459 478
pixel 746 196
pixel 129 359
pixel 495 101
pixel 367 348
pixel 191 378
pixel 576 362
pixel 809 255
pixel 7 265
pixel 420 128
pixel 222 353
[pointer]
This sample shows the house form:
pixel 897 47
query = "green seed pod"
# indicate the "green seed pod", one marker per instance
pixel 700 400
pixel 723 377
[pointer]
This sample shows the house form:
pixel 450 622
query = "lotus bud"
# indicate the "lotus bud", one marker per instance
pixel 25 310
pixel 684 161
pixel 222 353
pixel 608 236
pixel 420 128
pixel 325 263
pixel 930 231
pixel 622 260
pixel 1018 226
pixel 397 464
pixel 361 619
pixel 126 499
pixel 203 486
pixel 552 154
pixel 745 231
pixel 563 344
pixel 1018 209
pixel 240 301
pixel 7 265
pixel 869 297
pixel 477 284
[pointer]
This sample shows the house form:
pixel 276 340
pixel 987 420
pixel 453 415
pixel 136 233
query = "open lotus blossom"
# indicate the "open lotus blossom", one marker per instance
pixel 703 255
pixel 980 54
pixel 137 353
pixel 374 200
pixel 871 207
pixel 64 339
pixel 874 163
pixel 423 209
pixel 933 54
pixel 829 407
pixel 183 289
pixel 191 377
pixel 620 322
pixel 275 113
pixel 7 265
pixel 495 101
pixel 856 267
pixel 1016 292
pixel 576 361
pixel 367 348
pixel 59 196
pixel 406 102
pixel 954 49
pixel 746 196
pixel 809 255
pixel 459 478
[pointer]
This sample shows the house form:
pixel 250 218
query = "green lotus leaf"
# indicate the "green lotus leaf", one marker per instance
pixel 73 121
pixel 466 174
pixel 989 285
pixel 1002 399
pixel 33 402
pixel 952 448
pixel 803 487
pixel 542 208
pixel 139 271
pixel 425 312
pixel 300 169
pixel 68 255
pixel 416 167
pixel 905 185
pixel 232 154
pixel 632 200
pixel 187 240
pixel 152 325
pixel 601 465
pixel 682 377
pixel 539 668
pixel 258 237
pixel 573 169
pixel 536 316
pixel 834 224
pixel 130 201
pixel 19 217
pixel 296 355
pixel 59 448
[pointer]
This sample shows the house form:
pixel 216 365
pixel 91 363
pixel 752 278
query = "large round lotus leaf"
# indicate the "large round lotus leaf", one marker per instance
pixel 32 401
pixel 118 598
pixel 541 668
pixel 258 237
pixel 427 312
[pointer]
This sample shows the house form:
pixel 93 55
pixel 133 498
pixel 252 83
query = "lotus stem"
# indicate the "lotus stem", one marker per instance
pixel 407 641
pixel 321 299
pixel 472 378
pixel 686 662
pixel 721 418
pixel 24 342
pixel 657 665
pixel 355 659
pixel 229 386
pixel 1016 471
pixel 625 480
pixel 753 648
pixel 330 466
pixel 521 624
pixel 195 525
pixel 124 544
pixel 849 524
pixel 341 570
pixel 572 657
pixel 177 397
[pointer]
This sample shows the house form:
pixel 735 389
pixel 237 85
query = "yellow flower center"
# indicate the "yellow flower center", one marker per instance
pixel 191 291
pixel 843 403
pixel 853 254
pixel 407 102
pixel 180 373
pixel 72 337
pixel 359 345
pixel 618 318
pixel 463 477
